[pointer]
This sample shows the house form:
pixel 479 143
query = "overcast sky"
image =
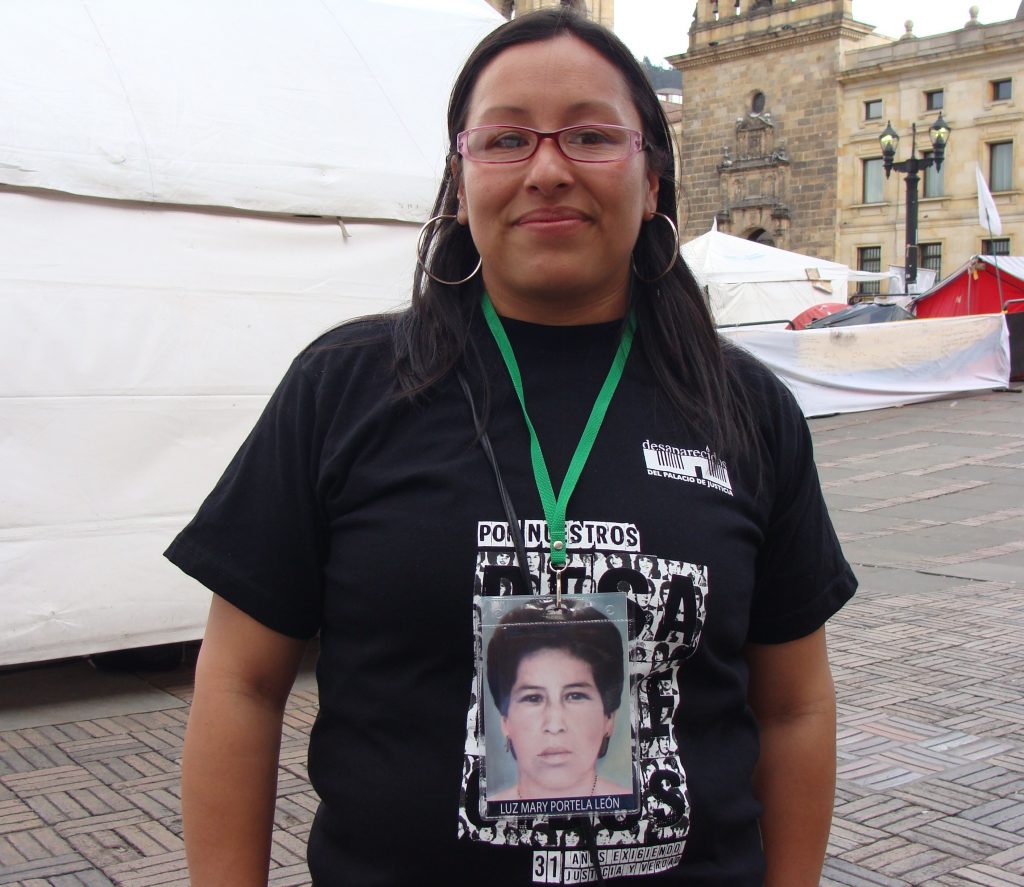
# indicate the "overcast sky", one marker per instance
pixel 657 28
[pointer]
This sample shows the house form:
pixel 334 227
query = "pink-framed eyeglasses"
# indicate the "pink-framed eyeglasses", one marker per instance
pixel 587 143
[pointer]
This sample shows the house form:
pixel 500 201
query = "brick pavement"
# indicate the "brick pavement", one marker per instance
pixel 928 660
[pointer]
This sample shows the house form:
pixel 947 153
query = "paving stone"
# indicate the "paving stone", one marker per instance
pixel 44 870
pixel 16 816
pixel 840 872
pixel 1011 860
pixel 982 874
pixel 296 875
pixel 161 869
pixel 958 836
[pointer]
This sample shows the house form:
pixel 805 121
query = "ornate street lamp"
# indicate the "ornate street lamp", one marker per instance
pixel 938 132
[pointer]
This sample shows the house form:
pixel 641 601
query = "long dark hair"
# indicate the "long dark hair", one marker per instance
pixel 675 328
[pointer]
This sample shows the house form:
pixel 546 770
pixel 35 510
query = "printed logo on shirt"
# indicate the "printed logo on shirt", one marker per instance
pixel 666 603
pixel 701 467
pixel 588 535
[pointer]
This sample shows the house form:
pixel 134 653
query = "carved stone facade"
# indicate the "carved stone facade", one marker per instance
pixel 602 11
pixel 753 178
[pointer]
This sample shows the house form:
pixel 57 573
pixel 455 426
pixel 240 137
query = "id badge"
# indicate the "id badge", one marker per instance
pixel 558 731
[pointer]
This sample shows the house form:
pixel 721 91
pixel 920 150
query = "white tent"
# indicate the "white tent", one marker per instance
pixel 189 192
pixel 749 282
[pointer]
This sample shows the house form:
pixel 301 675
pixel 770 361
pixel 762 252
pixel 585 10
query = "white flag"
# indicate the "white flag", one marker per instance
pixel 988 215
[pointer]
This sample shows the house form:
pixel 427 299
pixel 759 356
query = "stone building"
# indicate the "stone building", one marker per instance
pixel 602 11
pixel 784 101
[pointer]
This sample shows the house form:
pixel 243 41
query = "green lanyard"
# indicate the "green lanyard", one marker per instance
pixel 554 506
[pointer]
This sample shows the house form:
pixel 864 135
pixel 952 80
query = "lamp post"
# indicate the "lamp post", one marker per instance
pixel 889 140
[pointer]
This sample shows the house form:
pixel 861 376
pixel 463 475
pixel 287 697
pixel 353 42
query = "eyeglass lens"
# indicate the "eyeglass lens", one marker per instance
pixel 508 144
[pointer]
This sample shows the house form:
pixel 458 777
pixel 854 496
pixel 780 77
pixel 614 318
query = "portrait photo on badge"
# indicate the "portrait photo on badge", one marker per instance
pixel 557 719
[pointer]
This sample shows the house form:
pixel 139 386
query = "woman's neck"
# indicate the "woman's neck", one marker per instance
pixel 560 309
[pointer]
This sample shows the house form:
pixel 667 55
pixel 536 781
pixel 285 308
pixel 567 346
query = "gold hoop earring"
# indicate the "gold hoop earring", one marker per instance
pixel 422 264
pixel 675 252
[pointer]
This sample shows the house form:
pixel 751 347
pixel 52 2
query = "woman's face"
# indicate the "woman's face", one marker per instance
pixel 556 236
pixel 556 723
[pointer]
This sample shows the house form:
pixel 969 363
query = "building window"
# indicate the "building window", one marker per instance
pixel 873 110
pixel 869 258
pixel 933 100
pixel 933 179
pixel 757 102
pixel 1002 90
pixel 1000 166
pixel 997 246
pixel 873 173
pixel 931 257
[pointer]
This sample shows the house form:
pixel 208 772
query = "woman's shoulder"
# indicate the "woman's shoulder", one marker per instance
pixel 758 385
pixel 350 365
pixel 370 331
pixel 748 368
pixel 358 346
pixel 773 410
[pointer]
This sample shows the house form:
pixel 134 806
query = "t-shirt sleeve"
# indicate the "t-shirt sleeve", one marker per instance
pixel 257 539
pixel 802 576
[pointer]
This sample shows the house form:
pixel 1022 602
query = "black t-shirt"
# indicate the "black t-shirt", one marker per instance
pixel 377 522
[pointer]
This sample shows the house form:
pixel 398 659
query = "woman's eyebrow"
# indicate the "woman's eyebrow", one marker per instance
pixel 588 106
pixel 591 105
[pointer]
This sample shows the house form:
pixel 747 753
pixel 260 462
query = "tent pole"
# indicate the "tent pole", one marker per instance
pixel 971 271
pixel 995 264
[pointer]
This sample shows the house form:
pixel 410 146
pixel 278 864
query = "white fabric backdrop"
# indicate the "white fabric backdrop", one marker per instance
pixel 133 362
pixel 853 368
pixel 324 107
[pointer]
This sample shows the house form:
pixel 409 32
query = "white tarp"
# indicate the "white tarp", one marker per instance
pixel 848 369
pixel 749 282
pixel 324 107
pixel 137 346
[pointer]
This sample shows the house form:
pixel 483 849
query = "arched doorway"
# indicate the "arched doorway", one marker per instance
pixel 760 236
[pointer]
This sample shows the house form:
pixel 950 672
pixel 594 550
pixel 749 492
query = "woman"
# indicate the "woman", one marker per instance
pixel 357 506
pixel 557 687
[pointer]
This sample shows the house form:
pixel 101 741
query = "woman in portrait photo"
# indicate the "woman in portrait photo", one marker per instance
pixel 557 686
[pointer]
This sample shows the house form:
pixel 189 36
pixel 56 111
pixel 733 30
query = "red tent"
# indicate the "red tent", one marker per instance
pixel 974 288
pixel 822 309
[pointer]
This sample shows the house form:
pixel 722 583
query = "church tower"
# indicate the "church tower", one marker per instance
pixel 602 11
pixel 760 119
